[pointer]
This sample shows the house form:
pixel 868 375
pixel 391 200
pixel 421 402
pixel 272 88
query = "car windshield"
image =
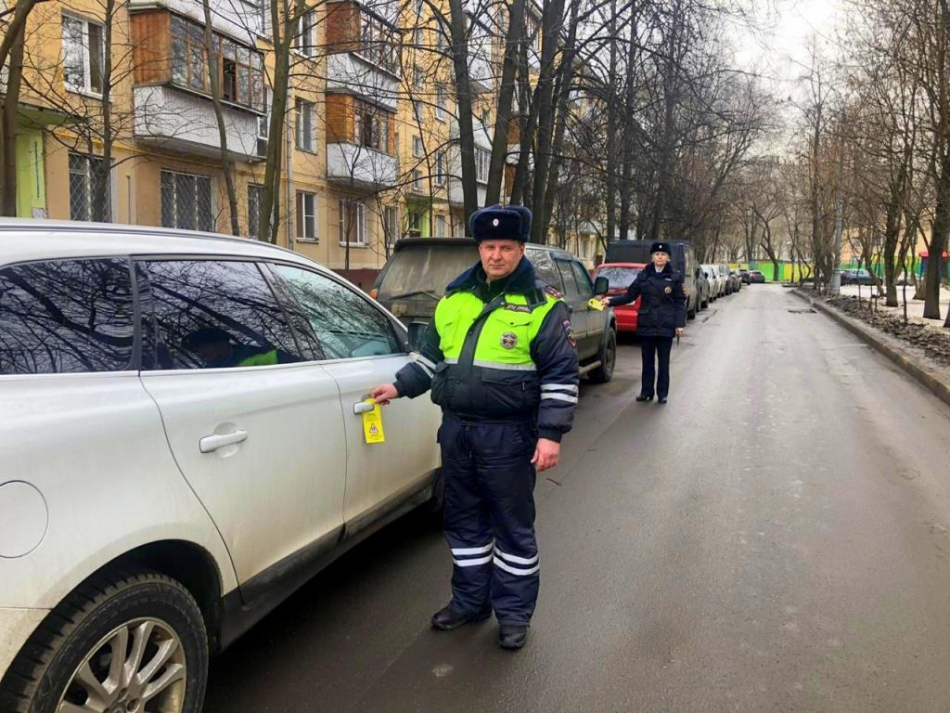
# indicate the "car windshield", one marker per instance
pixel 423 272
pixel 619 277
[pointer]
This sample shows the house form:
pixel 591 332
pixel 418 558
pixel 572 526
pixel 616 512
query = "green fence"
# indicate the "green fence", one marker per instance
pixel 793 271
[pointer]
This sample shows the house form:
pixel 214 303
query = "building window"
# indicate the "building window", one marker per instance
pixel 89 195
pixel 418 38
pixel 241 69
pixel 440 226
pixel 417 110
pixel 417 149
pixel 418 77
pixel 482 165
pixel 440 101
pixel 304 126
pixel 420 5
pixel 372 127
pixel 414 222
pixel 391 224
pixel 306 216
pixel 417 181
pixel 352 223
pixel 379 43
pixel 186 201
pixel 255 197
pixel 441 39
pixel 440 168
pixel 304 37
pixel 263 125
pixel 83 56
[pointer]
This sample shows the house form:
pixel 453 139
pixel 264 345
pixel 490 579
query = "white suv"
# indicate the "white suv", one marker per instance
pixel 182 448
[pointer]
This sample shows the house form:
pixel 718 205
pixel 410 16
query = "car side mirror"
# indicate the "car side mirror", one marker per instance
pixel 601 286
pixel 417 335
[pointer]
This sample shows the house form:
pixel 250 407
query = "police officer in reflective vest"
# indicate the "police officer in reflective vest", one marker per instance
pixel 500 360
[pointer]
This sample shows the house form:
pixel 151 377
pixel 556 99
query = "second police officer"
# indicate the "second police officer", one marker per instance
pixel 500 359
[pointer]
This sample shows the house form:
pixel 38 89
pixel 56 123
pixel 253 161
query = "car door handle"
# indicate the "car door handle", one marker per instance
pixel 361 407
pixel 208 444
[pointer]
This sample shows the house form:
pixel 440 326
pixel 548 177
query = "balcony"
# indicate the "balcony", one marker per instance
pixel 350 73
pixel 360 166
pixel 236 19
pixel 177 120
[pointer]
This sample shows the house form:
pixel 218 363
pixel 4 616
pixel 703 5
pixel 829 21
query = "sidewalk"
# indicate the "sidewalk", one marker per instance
pixel 915 308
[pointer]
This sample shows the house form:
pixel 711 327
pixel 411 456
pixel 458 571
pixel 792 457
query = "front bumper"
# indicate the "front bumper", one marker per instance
pixel 16 626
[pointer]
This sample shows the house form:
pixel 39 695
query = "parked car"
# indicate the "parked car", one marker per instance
pixel 724 279
pixel 857 277
pixel 756 276
pixel 736 279
pixel 182 449
pixel 414 279
pixel 703 288
pixel 712 275
pixel 619 275
pixel 638 251
pixel 745 276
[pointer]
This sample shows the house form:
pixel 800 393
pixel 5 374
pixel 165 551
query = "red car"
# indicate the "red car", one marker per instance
pixel 620 275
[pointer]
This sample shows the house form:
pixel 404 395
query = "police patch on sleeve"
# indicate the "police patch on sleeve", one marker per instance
pixel 553 292
pixel 569 333
pixel 668 290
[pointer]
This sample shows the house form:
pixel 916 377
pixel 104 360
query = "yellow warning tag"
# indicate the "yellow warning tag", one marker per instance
pixel 594 303
pixel 373 424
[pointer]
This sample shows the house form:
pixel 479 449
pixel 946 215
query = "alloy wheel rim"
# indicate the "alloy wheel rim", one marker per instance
pixel 138 667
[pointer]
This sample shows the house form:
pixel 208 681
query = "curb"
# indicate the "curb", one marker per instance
pixel 927 378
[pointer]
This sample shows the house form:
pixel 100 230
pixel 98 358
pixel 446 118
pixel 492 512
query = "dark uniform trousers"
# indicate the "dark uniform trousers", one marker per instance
pixel 653 349
pixel 489 516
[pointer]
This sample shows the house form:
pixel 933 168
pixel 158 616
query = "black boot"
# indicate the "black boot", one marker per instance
pixel 644 397
pixel 448 618
pixel 512 636
pixel 661 400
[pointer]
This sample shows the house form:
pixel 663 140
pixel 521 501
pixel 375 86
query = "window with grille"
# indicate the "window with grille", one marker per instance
pixel 305 126
pixel 83 57
pixel 482 165
pixel 89 194
pixel 440 101
pixel 186 201
pixel 352 223
pixel 306 216
pixel 255 197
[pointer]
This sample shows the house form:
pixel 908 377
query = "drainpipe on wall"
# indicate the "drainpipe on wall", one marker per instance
pixel 288 200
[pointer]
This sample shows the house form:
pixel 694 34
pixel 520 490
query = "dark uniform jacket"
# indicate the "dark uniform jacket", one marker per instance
pixel 547 395
pixel 663 303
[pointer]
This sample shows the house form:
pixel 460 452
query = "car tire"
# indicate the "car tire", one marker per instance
pixel 691 314
pixel 608 360
pixel 151 617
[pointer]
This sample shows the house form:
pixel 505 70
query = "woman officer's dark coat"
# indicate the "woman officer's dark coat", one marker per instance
pixel 663 303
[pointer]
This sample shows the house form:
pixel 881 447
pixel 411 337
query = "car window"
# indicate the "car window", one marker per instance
pixel 583 280
pixel 619 278
pixel 567 277
pixel 545 269
pixel 66 316
pixel 209 314
pixel 347 325
pixel 423 272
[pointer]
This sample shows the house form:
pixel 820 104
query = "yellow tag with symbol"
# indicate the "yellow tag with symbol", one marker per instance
pixel 595 303
pixel 373 424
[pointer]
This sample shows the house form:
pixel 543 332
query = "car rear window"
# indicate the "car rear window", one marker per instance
pixel 424 272
pixel 66 316
pixel 620 278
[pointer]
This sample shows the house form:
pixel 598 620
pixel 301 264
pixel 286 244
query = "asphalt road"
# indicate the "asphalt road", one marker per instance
pixel 776 538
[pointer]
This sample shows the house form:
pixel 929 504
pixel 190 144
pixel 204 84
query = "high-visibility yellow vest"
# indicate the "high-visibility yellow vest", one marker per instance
pixel 506 337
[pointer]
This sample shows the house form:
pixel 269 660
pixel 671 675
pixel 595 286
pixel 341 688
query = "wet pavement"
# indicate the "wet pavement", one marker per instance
pixel 776 538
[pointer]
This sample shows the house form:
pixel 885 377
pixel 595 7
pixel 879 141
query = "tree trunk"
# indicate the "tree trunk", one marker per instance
pixel 528 119
pixel 551 24
pixel 226 163
pixel 10 107
pixel 499 149
pixel 610 182
pixel 464 103
pixel 108 140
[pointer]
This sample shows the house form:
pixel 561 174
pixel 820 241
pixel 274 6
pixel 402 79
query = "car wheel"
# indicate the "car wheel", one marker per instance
pixel 691 314
pixel 129 642
pixel 608 360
